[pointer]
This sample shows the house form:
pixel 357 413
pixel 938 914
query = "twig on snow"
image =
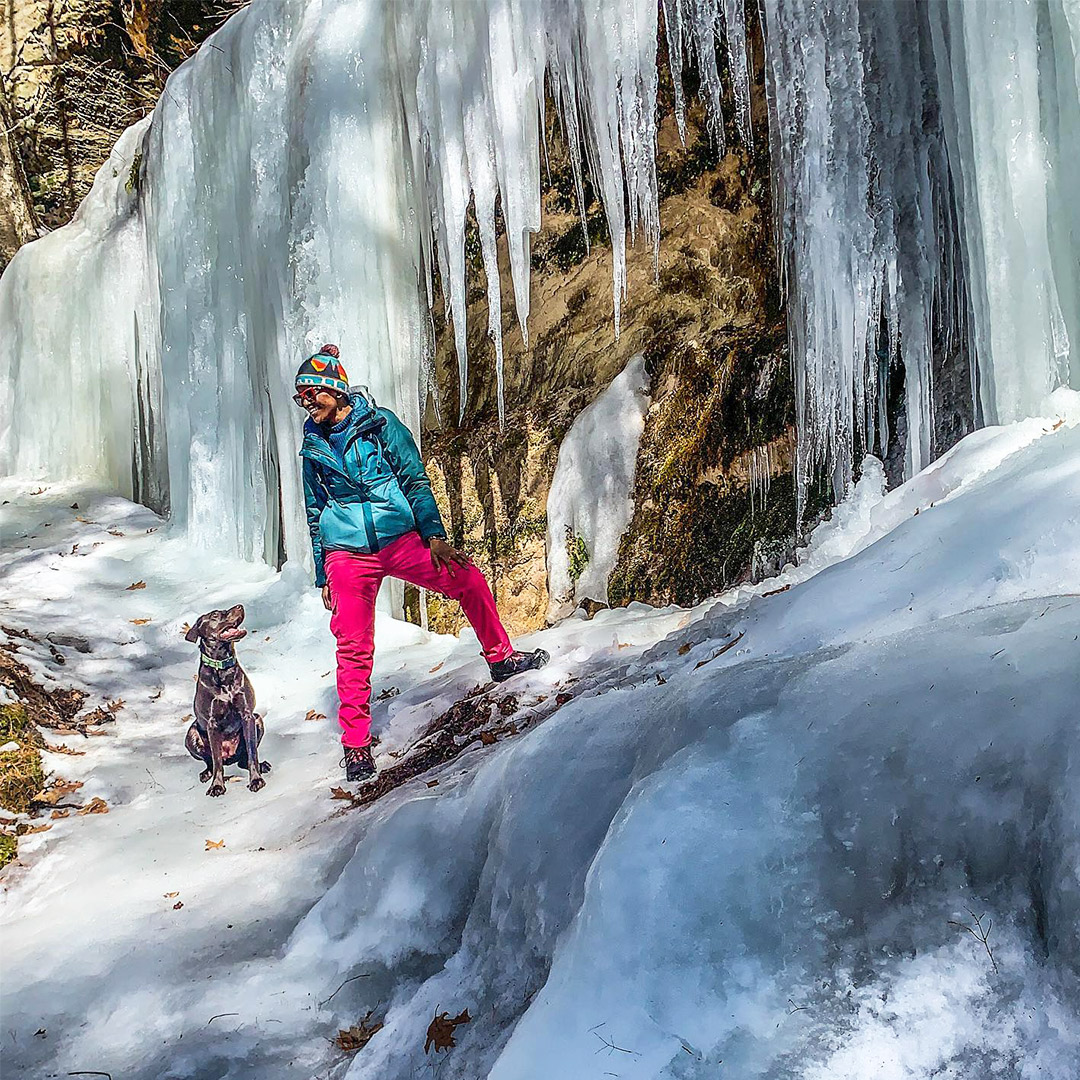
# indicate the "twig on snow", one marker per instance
pixel 365 975
pixel 981 934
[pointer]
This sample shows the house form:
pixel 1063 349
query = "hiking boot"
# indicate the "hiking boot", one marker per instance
pixel 358 763
pixel 517 662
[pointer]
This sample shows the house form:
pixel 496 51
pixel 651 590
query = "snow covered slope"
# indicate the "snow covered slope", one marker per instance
pixel 754 835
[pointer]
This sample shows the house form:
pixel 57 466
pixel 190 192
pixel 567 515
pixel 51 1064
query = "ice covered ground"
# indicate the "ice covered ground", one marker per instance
pixel 753 855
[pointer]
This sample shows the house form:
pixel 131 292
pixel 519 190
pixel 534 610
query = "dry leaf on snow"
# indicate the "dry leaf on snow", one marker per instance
pixel 340 793
pixel 136 585
pixel 440 1032
pixel 94 806
pixel 58 749
pixel 170 895
pixel 139 622
pixel 212 845
pixel 313 715
pixel 432 671
pixel 56 791
pixel 178 905
pixel 358 1036
pixel 60 813
pixel 684 648
pixel 27 830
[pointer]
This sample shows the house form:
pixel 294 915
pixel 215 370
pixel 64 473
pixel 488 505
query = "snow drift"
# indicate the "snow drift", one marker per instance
pixel 755 836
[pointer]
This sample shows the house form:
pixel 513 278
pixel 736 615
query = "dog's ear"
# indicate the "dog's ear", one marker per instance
pixel 195 632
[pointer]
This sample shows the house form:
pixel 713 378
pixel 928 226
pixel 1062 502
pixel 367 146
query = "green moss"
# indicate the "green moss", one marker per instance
pixel 577 554
pixel 21 774
pixel 134 174
pixel 8 847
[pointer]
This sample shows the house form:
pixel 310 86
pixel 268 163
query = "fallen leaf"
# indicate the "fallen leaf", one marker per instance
pixel 313 715
pixel 138 585
pixel 433 783
pixel 1058 424
pixel 139 622
pixel 60 813
pixel 185 718
pixel 74 548
pixel 27 830
pixel 340 793
pixel 563 698
pixel 178 905
pixel 432 671
pixel 115 706
pixel 488 737
pixel 58 749
pixel 74 506
pixel 170 895
pixel 94 806
pixel 623 644
pixel 358 1036
pixel 85 521
pixel 324 674
pixel 8 820
pixel 51 795
pixel 440 1032
pixel 212 845
pixel 115 532
pixel 684 648
pixel 40 491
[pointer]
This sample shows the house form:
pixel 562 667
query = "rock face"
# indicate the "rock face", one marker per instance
pixel 73 75
pixel 714 495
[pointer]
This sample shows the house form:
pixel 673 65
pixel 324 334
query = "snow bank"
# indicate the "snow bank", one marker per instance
pixel 755 835
pixel 589 505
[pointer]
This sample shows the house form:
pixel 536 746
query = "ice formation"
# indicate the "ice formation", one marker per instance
pixel 920 157
pixel 590 501
pixel 311 166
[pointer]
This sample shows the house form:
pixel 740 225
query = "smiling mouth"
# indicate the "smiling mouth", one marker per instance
pixel 233 633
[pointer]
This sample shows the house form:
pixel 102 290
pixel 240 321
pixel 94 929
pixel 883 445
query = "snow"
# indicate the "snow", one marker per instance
pixel 746 838
pixel 590 500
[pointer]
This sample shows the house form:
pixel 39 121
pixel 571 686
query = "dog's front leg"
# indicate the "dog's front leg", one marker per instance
pixel 251 742
pixel 217 759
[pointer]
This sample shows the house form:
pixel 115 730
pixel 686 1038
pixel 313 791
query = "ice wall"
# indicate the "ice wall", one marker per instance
pixel 590 502
pixel 307 171
pixel 921 159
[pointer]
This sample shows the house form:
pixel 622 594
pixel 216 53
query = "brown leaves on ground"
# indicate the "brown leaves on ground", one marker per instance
pixel 59 749
pixel 94 806
pixel 440 1032
pixel 213 845
pixel 358 1036
pixel 684 648
pixel 178 905
pixel 313 715
pixel 137 585
pixel 139 622
pixel 56 791
pixel 115 532
pixel 170 895
pixel 340 793
pixel 60 814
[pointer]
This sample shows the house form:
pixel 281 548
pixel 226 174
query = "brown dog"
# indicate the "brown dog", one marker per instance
pixel 226 729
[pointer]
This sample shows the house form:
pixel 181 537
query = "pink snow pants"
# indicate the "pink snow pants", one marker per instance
pixel 354 580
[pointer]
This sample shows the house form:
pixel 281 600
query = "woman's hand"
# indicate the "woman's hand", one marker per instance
pixel 327 599
pixel 442 554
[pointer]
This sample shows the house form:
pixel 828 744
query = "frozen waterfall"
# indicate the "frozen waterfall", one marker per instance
pixel 305 174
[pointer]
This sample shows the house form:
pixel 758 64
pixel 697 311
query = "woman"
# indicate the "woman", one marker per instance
pixel 371 514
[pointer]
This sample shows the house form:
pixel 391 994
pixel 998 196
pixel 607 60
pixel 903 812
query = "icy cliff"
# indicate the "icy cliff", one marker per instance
pixel 308 170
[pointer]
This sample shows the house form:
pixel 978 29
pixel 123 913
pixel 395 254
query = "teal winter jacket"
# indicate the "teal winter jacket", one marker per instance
pixel 376 492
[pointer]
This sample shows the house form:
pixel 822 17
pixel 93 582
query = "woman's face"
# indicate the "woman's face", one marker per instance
pixel 320 405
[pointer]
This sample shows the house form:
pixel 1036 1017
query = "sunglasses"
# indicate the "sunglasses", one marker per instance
pixel 306 397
